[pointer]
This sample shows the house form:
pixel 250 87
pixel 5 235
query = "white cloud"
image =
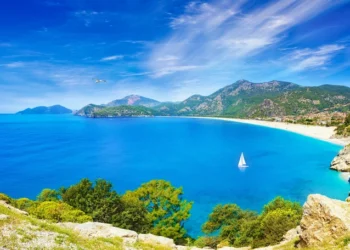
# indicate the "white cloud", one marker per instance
pixel 14 65
pixel 112 58
pixel 306 59
pixel 220 33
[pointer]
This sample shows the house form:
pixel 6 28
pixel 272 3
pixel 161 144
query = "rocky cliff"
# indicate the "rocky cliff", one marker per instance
pixel 342 161
pixel 325 221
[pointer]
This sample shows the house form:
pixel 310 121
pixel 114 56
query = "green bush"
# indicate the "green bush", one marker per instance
pixel 5 198
pixel 58 212
pixel 24 203
pixel 48 195
pixel 207 241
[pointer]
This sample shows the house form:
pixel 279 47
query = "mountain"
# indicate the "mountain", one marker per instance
pixel 134 100
pixel 242 99
pixel 96 111
pixel 268 99
pixel 56 109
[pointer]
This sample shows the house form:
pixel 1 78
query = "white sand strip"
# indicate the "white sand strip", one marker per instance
pixel 318 132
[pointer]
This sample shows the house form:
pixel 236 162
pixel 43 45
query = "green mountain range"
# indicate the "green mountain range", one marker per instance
pixel 241 99
pixel 56 109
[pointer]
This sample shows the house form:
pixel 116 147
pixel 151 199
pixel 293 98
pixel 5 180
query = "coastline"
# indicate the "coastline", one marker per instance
pixel 317 132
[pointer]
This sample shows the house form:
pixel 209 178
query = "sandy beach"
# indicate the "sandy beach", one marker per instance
pixel 318 132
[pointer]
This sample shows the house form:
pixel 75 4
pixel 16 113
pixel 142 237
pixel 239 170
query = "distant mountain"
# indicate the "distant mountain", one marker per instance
pixel 242 99
pixel 56 109
pixel 134 100
pixel 275 98
pixel 96 111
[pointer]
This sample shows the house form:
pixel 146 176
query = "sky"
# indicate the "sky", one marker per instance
pixel 51 51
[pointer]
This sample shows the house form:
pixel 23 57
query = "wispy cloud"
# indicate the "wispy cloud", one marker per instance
pixel 306 59
pixel 112 58
pixel 220 33
pixel 14 65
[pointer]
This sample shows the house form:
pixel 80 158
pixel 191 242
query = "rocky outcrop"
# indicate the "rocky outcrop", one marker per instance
pixel 324 220
pixel 342 161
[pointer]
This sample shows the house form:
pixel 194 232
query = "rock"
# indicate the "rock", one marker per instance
pixel 4 217
pixel 342 161
pixel 8 206
pixel 150 238
pixel 324 220
pixel 97 229
pixel 292 234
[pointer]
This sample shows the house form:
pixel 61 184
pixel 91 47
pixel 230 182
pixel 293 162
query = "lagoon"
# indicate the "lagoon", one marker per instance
pixel 201 155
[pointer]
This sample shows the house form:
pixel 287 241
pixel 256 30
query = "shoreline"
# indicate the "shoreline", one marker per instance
pixel 316 132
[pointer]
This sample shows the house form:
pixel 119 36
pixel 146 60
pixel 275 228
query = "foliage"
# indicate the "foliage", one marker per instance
pixel 58 212
pixel 243 228
pixel 207 241
pixel 48 195
pixel 344 128
pixel 99 200
pixel 133 216
pixel 24 203
pixel 4 197
pixel 167 210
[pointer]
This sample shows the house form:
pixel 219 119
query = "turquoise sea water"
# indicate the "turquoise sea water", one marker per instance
pixel 48 151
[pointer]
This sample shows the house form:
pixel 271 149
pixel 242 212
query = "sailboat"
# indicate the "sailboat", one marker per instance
pixel 242 163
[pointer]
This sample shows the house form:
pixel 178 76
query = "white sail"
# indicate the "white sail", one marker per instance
pixel 242 163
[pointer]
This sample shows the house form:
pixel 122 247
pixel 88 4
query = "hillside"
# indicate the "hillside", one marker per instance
pixel 134 100
pixel 269 99
pixel 56 109
pixel 98 111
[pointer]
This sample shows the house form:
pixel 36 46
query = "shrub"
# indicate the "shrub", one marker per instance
pixel 59 212
pixel 48 195
pixel 207 241
pixel 24 203
pixel 5 198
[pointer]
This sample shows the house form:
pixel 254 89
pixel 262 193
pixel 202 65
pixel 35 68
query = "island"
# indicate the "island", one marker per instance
pixel 40 110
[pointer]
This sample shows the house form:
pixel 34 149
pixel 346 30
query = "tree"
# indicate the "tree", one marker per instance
pixel 98 200
pixel 134 215
pixel 48 195
pixel 167 210
pixel 229 220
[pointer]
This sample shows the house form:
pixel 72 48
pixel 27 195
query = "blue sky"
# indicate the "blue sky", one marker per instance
pixel 50 50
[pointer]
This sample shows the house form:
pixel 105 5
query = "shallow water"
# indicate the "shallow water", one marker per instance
pixel 48 151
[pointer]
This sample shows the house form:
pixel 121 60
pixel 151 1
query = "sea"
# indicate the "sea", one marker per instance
pixel 199 155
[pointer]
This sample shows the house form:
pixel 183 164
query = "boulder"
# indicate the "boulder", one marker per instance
pixel 97 229
pixel 342 161
pixel 154 239
pixel 292 234
pixel 324 220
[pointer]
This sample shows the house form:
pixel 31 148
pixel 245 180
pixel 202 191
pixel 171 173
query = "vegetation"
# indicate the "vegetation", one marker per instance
pixel 167 211
pixel 117 111
pixel 243 227
pixel 344 128
pixel 159 208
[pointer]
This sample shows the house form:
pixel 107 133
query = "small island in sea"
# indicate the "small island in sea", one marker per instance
pixel 42 110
